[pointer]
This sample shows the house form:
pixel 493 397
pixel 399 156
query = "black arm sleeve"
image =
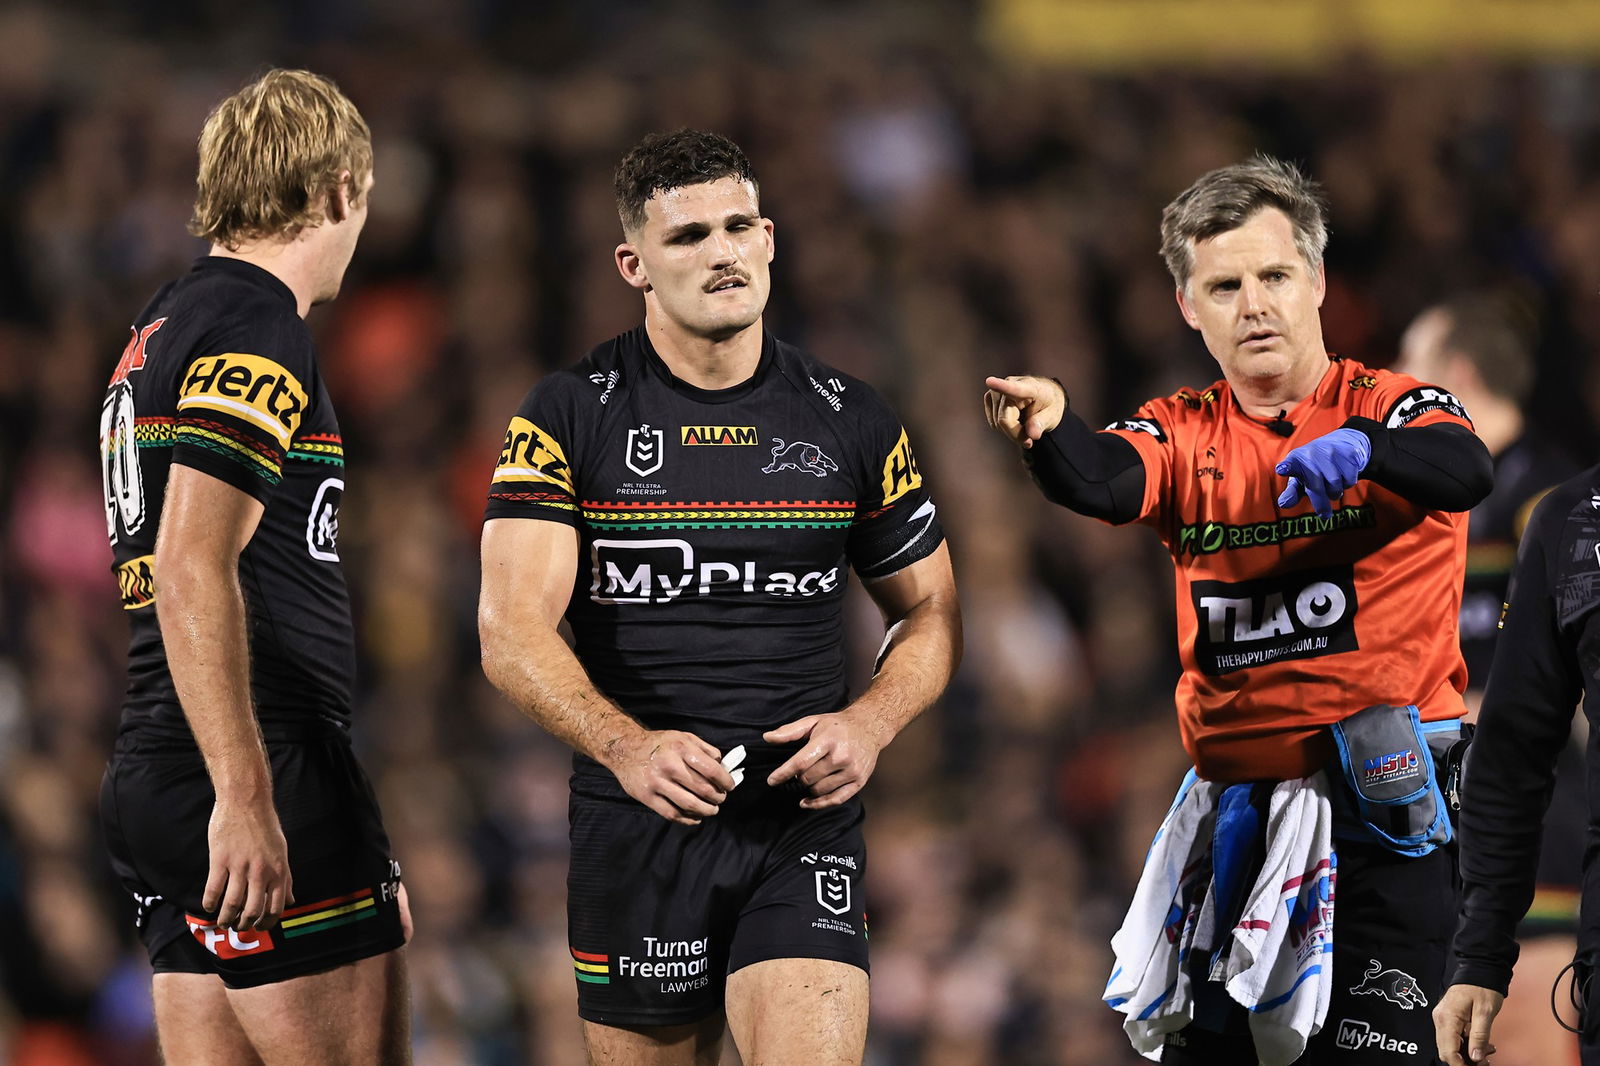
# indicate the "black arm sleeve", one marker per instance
pixel 1443 467
pixel 1524 723
pixel 1097 474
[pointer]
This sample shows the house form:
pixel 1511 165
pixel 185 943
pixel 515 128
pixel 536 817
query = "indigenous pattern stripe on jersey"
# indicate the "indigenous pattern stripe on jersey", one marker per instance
pixel 1288 621
pixel 717 528
pixel 219 374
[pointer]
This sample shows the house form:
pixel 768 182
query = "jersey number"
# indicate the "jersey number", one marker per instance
pixel 119 455
pixel 119 448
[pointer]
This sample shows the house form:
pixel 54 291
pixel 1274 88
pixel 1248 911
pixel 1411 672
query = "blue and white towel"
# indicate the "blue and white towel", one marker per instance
pixel 1277 959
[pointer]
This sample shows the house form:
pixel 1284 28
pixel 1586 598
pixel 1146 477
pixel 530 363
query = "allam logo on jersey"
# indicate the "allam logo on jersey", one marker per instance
pixel 646 450
pixel 661 571
pixel 900 473
pixel 531 454
pixel 1420 401
pixel 723 435
pixel 249 387
pixel 1302 615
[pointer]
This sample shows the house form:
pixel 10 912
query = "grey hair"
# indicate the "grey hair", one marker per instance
pixel 1227 198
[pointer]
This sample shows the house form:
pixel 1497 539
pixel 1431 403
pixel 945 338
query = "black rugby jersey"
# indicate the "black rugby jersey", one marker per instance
pixel 1546 660
pixel 1523 472
pixel 220 374
pixel 717 528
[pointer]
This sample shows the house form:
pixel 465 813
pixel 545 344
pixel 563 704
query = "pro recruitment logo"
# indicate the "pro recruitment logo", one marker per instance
pixel 1208 538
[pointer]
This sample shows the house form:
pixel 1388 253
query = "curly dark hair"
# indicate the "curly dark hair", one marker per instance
pixel 665 161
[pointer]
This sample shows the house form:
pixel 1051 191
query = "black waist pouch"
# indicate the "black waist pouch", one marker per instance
pixel 1393 789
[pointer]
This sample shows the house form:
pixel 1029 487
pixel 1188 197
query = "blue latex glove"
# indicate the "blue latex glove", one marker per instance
pixel 1322 469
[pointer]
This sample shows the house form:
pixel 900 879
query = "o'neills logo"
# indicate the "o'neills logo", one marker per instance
pixel 136 579
pixel 718 435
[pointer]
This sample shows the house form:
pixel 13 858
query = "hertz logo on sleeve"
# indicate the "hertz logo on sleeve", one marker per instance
pixel 719 435
pixel 531 454
pixel 136 578
pixel 248 387
pixel 900 473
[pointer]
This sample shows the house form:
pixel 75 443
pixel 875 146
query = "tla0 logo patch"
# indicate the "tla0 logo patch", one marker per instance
pixel 1253 623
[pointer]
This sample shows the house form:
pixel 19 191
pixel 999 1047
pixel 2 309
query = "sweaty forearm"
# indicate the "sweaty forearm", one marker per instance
pixel 536 670
pixel 202 617
pixel 1443 467
pixel 919 656
pixel 1096 474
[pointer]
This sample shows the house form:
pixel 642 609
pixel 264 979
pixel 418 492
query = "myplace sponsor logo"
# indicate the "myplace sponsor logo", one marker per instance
pixel 664 570
pixel 1357 1035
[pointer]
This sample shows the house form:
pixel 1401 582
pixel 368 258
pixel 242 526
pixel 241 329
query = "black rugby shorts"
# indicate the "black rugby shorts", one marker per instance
pixel 155 808
pixel 658 914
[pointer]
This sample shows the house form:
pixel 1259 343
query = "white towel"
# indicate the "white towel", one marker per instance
pixel 1278 963
pixel 1281 963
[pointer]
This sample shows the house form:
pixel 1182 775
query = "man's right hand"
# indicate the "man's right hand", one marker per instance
pixel 1461 1024
pixel 248 884
pixel 675 774
pixel 1024 408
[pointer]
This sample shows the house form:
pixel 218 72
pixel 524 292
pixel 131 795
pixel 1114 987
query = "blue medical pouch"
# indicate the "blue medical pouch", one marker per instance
pixel 1388 763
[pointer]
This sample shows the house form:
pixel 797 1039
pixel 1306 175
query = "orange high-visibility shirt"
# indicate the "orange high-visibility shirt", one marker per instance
pixel 1288 621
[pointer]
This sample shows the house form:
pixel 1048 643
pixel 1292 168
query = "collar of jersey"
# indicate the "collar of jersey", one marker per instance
pixel 659 367
pixel 245 272
pixel 1332 378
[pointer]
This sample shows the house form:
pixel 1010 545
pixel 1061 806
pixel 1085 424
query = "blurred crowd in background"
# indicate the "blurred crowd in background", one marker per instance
pixel 942 213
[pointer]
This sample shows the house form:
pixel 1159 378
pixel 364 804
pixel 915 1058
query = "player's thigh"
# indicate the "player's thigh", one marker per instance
pixel 695 1044
pixel 195 1023
pixel 352 1015
pixel 799 1012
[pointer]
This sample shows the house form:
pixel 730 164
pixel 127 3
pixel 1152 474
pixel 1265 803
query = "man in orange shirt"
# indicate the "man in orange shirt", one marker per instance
pixel 1292 619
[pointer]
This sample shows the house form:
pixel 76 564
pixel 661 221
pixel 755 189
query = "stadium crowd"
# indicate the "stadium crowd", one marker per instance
pixel 941 214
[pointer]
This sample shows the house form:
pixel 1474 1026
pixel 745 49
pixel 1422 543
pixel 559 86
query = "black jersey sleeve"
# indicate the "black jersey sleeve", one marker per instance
pixel 1097 474
pixel 895 522
pixel 1442 466
pixel 1524 722
pixel 241 402
pixel 534 477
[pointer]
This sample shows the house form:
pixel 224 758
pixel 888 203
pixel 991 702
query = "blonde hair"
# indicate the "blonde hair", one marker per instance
pixel 271 152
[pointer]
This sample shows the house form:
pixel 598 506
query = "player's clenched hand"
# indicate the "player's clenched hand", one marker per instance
pixel 839 755
pixel 248 883
pixel 1024 408
pixel 675 774
pixel 1463 1019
